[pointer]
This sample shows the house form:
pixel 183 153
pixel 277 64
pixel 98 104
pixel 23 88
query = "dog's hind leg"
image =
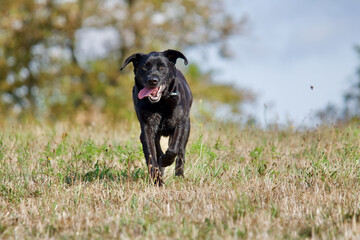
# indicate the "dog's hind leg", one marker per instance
pixel 179 164
pixel 180 160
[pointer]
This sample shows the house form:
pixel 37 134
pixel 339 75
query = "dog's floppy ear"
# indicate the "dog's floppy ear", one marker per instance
pixel 173 55
pixel 133 58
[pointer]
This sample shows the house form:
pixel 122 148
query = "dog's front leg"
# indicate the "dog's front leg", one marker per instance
pixel 175 144
pixel 159 153
pixel 147 138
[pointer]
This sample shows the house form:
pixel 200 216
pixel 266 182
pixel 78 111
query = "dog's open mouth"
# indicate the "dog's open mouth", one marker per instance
pixel 153 93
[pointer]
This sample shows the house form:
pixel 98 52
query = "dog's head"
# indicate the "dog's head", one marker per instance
pixel 154 72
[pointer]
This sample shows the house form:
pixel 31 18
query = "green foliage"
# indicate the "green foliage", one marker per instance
pixel 107 173
pixel 258 160
pixel 41 71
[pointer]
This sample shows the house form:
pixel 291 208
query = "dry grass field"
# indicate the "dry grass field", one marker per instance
pixel 76 182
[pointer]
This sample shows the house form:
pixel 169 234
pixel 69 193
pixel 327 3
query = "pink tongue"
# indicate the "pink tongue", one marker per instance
pixel 146 92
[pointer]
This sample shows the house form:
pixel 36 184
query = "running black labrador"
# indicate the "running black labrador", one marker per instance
pixel 162 100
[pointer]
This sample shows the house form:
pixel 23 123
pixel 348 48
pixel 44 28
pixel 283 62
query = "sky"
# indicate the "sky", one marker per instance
pixel 289 47
pixel 295 56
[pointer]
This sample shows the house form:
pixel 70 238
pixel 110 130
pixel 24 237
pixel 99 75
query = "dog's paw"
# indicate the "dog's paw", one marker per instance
pixel 159 182
pixel 156 175
pixel 167 159
pixel 179 173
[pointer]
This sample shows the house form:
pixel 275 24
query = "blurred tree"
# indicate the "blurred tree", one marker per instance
pixel 37 41
pixel 329 115
pixel 352 96
pixel 43 72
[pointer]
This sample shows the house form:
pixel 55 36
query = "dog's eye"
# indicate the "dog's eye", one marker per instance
pixel 161 67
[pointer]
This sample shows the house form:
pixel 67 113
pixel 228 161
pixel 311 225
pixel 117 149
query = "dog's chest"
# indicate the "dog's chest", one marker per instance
pixel 165 123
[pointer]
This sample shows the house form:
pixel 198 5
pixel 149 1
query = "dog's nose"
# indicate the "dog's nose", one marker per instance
pixel 153 80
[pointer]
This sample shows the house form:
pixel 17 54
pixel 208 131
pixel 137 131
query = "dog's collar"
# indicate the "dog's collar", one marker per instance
pixel 173 91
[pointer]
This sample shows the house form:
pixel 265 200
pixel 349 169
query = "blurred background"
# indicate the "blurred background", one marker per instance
pixel 260 63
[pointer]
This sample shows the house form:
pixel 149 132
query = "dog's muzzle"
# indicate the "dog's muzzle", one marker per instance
pixel 153 93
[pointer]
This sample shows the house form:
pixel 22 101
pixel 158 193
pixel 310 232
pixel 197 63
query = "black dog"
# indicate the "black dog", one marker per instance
pixel 162 100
